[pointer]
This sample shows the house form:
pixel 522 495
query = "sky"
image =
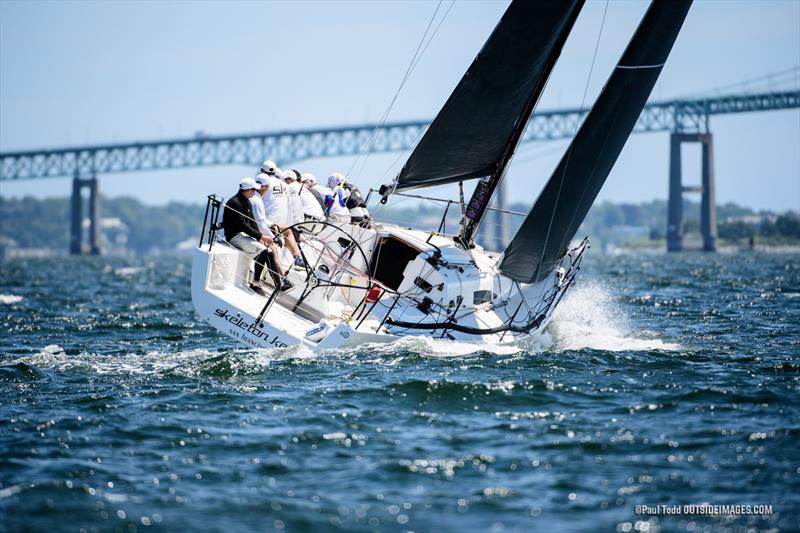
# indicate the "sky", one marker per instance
pixel 73 73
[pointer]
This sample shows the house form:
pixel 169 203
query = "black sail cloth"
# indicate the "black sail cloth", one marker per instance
pixel 562 205
pixel 469 136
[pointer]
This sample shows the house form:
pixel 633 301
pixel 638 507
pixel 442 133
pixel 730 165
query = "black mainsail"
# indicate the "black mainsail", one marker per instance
pixel 475 133
pixel 562 205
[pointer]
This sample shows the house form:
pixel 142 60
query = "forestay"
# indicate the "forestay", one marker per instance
pixel 566 198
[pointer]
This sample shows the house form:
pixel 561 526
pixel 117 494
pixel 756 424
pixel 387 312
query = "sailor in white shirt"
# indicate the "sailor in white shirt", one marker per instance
pixel 312 201
pixel 276 207
pixel 276 199
pixel 292 180
pixel 264 227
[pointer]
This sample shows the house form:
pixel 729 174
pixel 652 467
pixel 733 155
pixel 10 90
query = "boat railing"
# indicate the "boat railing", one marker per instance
pixel 447 204
pixel 339 252
pixel 376 293
pixel 211 220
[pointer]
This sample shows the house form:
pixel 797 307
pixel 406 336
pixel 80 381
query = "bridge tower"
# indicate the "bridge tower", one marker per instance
pixel 76 227
pixel 708 205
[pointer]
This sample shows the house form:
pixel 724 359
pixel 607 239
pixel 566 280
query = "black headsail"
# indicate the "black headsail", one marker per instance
pixel 569 193
pixel 475 133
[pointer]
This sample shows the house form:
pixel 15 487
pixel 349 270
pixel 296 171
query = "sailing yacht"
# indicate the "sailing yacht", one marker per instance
pixel 384 282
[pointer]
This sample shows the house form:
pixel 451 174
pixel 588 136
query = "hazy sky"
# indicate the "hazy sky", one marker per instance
pixel 95 72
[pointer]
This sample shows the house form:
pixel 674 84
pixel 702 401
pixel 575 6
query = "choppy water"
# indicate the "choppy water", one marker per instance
pixel 667 380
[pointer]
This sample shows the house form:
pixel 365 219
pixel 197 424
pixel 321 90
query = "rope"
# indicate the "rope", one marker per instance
pixel 367 147
pixel 569 150
pixel 422 130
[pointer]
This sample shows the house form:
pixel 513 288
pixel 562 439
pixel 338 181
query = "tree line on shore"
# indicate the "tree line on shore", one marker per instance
pixel 131 226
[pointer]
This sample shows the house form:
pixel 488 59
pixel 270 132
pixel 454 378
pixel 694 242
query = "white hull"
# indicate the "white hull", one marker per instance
pixel 423 275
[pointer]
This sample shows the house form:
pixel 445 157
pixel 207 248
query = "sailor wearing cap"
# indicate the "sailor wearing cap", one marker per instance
pixel 276 198
pixel 241 230
pixel 292 180
pixel 336 201
pixel 312 202
pixel 277 210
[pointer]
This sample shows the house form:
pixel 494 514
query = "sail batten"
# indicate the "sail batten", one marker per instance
pixel 562 205
pixel 470 136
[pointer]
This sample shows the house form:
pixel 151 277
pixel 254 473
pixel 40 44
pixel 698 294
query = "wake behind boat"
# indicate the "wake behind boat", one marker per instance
pixel 382 282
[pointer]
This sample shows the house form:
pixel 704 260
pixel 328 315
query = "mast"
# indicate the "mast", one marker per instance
pixel 482 195
pixel 478 128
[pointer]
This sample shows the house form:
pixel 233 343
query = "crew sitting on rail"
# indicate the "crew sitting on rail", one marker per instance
pixel 276 207
pixel 242 232
pixel 336 201
pixel 292 180
pixel 312 202
pixel 257 203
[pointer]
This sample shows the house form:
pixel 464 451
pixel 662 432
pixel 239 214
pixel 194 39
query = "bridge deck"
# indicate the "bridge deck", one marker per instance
pixel 294 145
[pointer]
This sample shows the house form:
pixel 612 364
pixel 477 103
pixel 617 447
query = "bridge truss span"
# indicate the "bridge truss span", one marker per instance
pixel 677 116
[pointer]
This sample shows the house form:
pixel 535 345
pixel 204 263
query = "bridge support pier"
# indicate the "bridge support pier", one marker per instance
pixel 76 226
pixel 708 205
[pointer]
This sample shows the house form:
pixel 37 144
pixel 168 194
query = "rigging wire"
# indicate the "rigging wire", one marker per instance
pixel 366 148
pixel 422 130
pixel 569 150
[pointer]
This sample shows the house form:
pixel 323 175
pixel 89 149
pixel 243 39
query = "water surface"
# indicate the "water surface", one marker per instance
pixel 664 380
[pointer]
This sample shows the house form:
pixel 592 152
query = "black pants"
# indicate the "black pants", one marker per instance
pixel 265 259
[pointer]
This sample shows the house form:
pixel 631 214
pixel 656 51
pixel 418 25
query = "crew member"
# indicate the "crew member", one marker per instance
pixel 277 208
pixel 242 232
pixel 336 201
pixel 257 204
pixel 357 205
pixel 292 180
pixel 311 200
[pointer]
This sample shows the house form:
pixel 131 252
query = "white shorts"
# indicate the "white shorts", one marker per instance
pixel 247 244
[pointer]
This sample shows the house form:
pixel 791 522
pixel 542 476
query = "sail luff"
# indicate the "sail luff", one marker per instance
pixel 482 195
pixel 470 136
pixel 562 205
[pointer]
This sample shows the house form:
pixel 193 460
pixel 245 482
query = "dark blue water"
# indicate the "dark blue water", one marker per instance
pixel 667 380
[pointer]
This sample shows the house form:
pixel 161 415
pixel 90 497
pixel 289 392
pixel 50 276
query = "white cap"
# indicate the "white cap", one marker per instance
pixel 270 167
pixel 248 183
pixel 291 175
pixel 308 177
pixel 335 179
pixel 262 179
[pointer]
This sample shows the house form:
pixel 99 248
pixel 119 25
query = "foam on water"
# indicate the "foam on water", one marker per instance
pixel 187 363
pixel 443 347
pixel 8 299
pixel 128 271
pixel 154 363
pixel 589 317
